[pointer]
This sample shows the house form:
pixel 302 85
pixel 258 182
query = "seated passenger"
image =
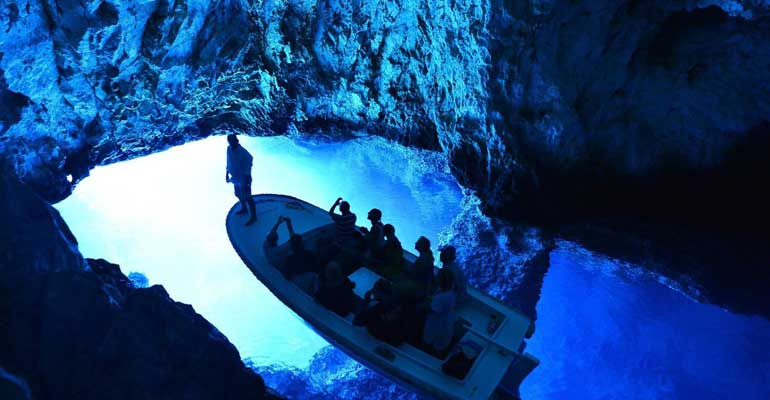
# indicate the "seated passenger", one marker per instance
pixel 300 265
pixel 336 291
pixel 421 272
pixel 381 314
pixel 345 222
pixel 375 237
pixel 439 323
pixel 271 242
pixel 392 253
pixel 448 258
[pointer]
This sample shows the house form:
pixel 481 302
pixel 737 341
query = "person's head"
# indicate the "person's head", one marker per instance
pixel 374 215
pixel 445 280
pixel 333 272
pixel 389 231
pixel 232 139
pixel 296 244
pixel 345 207
pixel 381 289
pixel 448 254
pixel 422 244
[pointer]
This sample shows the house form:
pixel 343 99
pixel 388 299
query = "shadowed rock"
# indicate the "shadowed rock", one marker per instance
pixel 75 328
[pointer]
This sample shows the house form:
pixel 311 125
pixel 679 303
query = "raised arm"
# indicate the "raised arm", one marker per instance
pixel 271 240
pixel 334 206
pixel 289 226
pixel 274 229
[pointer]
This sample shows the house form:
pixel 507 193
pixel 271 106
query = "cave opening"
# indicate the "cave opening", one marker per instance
pixel 163 216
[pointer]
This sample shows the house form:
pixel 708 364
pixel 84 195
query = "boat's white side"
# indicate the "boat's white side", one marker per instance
pixel 410 366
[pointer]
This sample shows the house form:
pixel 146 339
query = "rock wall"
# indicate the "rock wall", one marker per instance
pixel 99 81
pixel 653 109
pixel 550 109
pixel 553 111
pixel 76 328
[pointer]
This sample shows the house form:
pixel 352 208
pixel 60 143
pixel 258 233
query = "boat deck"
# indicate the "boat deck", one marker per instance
pixel 404 363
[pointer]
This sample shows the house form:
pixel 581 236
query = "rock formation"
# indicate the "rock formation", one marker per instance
pixel 77 328
pixel 552 110
pixel 556 112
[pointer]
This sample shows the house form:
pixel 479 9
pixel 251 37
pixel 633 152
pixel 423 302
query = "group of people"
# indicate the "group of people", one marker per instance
pixel 410 303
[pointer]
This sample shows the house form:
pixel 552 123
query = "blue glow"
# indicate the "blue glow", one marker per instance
pixel 611 331
pixel 605 330
pixel 163 215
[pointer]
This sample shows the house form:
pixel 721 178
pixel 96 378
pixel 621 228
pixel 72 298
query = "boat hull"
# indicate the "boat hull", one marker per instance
pixel 409 368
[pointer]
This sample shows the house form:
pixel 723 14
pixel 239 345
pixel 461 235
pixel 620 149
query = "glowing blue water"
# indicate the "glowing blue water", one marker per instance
pixel 608 331
pixel 163 215
pixel 605 330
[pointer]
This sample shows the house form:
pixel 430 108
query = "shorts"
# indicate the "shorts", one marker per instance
pixel 242 187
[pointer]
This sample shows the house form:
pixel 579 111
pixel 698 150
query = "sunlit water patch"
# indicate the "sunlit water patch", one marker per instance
pixel 605 330
pixel 611 331
pixel 163 215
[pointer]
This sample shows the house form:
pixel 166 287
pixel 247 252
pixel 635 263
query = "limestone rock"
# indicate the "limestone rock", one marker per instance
pixel 75 328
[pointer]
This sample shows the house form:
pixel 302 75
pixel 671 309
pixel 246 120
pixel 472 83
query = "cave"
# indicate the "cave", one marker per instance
pixel 600 165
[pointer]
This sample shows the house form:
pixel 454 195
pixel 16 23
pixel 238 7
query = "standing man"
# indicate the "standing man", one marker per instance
pixel 448 257
pixel 239 173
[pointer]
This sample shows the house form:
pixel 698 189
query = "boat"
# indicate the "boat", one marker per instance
pixel 492 330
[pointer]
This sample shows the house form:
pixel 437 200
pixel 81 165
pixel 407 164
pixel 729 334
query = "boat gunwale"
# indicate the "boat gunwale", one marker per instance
pixel 346 345
pixel 341 341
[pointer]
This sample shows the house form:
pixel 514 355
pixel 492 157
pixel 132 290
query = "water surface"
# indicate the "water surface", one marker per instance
pixel 606 330
pixel 163 215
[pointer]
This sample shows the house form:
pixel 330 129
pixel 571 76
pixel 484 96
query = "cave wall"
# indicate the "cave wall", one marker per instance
pixel 78 328
pixel 653 109
pixel 550 109
pixel 554 111
pixel 99 81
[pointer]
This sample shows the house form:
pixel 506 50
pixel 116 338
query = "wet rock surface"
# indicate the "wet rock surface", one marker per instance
pixel 76 328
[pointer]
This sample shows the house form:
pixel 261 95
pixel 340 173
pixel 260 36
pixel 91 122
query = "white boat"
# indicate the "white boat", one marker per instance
pixel 498 368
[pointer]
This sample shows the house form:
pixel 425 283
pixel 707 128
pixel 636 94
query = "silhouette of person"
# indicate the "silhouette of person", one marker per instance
pixel 345 221
pixel 392 252
pixel 301 265
pixel 422 269
pixel 448 258
pixel 239 173
pixel 439 323
pixel 336 290
pixel 375 236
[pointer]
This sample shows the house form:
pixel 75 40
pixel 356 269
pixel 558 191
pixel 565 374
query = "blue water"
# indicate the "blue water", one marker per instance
pixel 606 330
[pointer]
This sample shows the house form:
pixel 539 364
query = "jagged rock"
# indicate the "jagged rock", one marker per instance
pixel 75 328
pixel 33 236
pixel 552 110
pixel 626 108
